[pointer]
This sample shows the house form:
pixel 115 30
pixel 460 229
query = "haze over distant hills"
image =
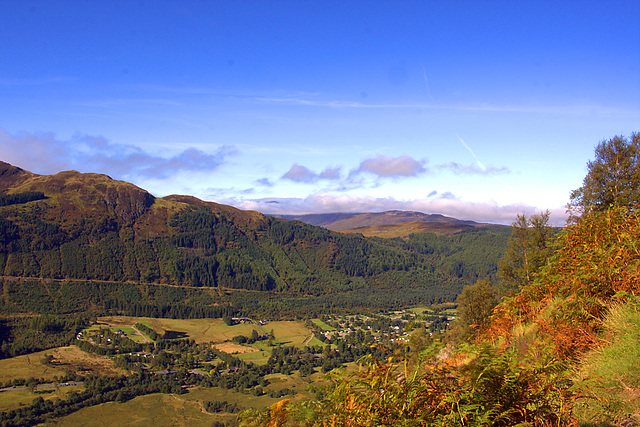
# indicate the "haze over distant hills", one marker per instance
pixel 386 224
pixel 349 221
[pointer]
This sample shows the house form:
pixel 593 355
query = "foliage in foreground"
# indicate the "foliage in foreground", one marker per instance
pixel 489 387
pixel 613 370
pixel 578 315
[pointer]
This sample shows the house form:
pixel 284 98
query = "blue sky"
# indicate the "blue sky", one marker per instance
pixel 474 109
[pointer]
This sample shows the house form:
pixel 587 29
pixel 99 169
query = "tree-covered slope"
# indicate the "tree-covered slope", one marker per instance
pixel 91 227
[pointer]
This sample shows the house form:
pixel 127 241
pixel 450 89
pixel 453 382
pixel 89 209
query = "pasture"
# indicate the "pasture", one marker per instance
pixel 158 410
pixel 216 331
pixel 13 399
pixel 70 357
pixel 322 325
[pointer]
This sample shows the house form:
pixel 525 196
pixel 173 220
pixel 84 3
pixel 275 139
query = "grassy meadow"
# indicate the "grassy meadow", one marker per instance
pixel 158 410
pixel 14 399
pixel 215 330
pixel 184 410
pixel 70 357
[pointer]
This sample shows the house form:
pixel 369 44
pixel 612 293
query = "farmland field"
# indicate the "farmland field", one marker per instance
pixel 183 410
pixel 156 409
pixel 13 399
pixel 199 330
pixel 70 357
pixel 215 330
pixel 322 325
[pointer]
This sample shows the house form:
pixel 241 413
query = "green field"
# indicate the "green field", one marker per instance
pixel 70 357
pixel 27 366
pixel 156 410
pixel 184 410
pixel 322 325
pixel 289 332
pixel 315 342
pixel 215 330
pixel 13 399
pixel 131 332
pixel 199 330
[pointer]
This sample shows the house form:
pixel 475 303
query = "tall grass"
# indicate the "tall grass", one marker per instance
pixel 611 373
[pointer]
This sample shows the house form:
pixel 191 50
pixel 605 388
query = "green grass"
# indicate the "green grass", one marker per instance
pixel 611 374
pixel 70 357
pixel 213 330
pixel 316 342
pixel 28 365
pixel 200 330
pixel 156 410
pixel 322 325
pixel 13 399
pixel 245 400
pixel 289 332
pixel 259 358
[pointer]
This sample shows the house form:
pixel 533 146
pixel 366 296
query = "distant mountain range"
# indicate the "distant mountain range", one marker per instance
pixel 386 224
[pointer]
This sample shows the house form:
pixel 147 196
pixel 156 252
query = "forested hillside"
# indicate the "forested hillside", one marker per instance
pixel 126 250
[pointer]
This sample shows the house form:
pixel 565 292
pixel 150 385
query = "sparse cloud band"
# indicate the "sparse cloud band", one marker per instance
pixel 44 153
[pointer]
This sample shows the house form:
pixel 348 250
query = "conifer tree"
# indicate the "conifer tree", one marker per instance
pixel 529 246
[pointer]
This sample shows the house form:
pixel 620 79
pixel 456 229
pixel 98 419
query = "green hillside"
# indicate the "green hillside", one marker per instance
pixel 109 246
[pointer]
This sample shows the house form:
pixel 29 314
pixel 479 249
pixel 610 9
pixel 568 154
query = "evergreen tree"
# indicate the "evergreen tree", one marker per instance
pixel 529 246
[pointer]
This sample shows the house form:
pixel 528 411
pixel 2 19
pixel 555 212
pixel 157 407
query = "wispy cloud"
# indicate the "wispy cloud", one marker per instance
pixel 44 153
pixel 264 182
pixel 561 109
pixel 459 169
pixel 116 102
pixel 464 144
pixel 313 99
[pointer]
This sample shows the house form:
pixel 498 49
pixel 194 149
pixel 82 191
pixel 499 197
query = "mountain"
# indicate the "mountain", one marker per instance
pixel 386 224
pixel 83 232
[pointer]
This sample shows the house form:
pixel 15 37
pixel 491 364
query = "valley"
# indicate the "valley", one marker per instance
pixel 112 295
pixel 221 366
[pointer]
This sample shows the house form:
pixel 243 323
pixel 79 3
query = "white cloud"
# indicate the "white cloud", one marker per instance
pixel 330 173
pixel 264 182
pixel 299 173
pixel 44 153
pixel 387 166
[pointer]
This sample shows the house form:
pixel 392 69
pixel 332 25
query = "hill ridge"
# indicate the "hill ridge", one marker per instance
pixel 91 227
pixel 342 221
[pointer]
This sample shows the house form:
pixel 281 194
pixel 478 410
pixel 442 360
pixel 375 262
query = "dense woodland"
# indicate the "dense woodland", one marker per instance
pixel 203 249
